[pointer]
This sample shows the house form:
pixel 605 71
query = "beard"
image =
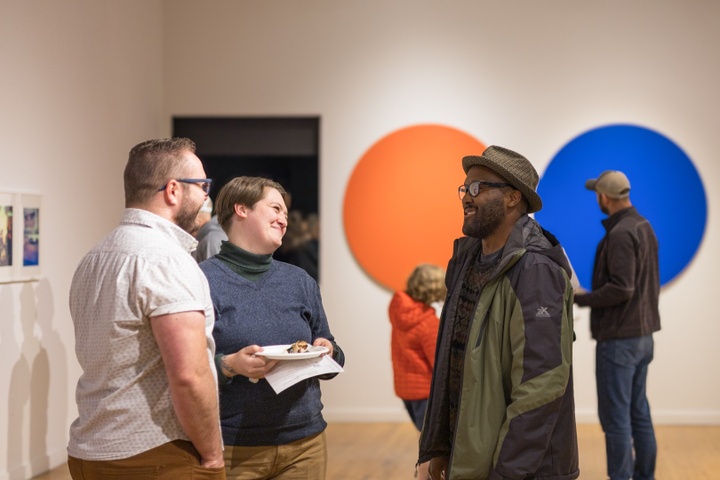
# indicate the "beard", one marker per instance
pixel 486 220
pixel 603 207
pixel 187 217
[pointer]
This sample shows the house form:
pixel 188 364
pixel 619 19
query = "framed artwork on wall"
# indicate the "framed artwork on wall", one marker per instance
pixel 29 209
pixel 7 259
pixel 20 237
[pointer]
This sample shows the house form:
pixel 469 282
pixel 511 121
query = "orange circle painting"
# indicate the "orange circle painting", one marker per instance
pixel 401 205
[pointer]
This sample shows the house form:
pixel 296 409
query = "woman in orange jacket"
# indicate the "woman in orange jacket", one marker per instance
pixel 414 316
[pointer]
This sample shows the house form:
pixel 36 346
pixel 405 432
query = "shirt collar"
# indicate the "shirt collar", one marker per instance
pixel 146 218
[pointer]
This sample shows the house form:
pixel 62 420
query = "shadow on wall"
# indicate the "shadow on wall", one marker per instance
pixel 38 358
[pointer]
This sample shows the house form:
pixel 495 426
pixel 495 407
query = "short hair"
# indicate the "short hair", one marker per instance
pixel 427 284
pixel 242 191
pixel 151 164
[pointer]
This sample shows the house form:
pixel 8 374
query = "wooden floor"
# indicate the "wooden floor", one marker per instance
pixel 387 451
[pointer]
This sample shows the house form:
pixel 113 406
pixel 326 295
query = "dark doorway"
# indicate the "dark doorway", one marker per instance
pixel 284 149
pixel 298 175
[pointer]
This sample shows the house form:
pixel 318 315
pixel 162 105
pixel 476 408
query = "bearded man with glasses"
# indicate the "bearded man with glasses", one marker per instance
pixel 147 398
pixel 501 400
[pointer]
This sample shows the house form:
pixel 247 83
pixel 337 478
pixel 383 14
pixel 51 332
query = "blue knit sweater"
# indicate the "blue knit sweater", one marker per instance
pixel 282 307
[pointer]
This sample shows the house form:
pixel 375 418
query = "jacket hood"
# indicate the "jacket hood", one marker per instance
pixel 406 312
pixel 537 239
pixel 530 235
pixel 526 236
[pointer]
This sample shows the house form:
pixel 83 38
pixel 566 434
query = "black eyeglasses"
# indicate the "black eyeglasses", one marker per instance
pixel 477 186
pixel 203 183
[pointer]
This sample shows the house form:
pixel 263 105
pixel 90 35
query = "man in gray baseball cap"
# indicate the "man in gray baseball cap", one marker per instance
pixel 624 315
pixel 504 349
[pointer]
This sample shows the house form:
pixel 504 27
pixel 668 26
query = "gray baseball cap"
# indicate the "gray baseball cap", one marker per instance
pixel 612 183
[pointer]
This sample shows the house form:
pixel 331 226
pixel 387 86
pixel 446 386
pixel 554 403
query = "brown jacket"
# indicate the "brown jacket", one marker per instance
pixel 626 279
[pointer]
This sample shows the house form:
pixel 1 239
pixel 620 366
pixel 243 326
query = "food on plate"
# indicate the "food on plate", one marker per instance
pixel 300 346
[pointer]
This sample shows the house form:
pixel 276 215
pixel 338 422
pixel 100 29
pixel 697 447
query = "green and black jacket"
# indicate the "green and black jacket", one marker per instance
pixel 516 412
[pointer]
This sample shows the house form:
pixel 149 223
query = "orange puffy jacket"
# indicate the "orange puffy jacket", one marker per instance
pixel 414 334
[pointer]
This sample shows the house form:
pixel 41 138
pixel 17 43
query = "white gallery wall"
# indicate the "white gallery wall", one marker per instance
pixel 82 81
pixel 527 75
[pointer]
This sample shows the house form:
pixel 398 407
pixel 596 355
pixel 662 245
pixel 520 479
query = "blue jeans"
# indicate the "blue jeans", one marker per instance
pixel 621 367
pixel 416 410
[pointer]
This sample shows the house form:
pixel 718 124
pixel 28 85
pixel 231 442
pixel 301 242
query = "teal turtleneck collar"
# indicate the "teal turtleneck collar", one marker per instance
pixel 248 265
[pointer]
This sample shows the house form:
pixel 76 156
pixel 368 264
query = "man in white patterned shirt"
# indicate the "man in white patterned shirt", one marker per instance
pixel 143 317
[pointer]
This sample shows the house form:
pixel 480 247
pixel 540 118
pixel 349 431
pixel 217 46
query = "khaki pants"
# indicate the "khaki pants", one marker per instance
pixel 304 459
pixel 171 461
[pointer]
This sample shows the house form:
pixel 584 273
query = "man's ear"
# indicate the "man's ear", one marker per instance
pixel 514 198
pixel 170 192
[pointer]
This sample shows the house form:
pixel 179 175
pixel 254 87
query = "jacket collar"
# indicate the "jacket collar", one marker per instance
pixel 610 222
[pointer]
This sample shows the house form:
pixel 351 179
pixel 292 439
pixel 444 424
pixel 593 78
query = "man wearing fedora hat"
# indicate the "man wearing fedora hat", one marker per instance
pixel 624 315
pixel 501 401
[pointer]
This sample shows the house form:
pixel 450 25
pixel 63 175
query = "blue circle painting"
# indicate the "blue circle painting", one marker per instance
pixel 665 188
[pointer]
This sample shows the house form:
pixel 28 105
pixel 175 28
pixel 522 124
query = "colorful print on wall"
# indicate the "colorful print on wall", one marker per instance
pixel 19 237
pixel 6 231
pixel 401 206
pixel 665 187
pixel 31 236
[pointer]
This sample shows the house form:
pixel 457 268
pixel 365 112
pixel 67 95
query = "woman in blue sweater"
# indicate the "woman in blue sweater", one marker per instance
pixel 260 301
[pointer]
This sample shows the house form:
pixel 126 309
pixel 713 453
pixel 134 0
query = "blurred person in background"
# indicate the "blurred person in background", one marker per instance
pixel 624 315
pixel 210 235
pixel 414 318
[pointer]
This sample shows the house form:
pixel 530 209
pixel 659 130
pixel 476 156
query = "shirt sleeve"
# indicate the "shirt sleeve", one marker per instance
pixel 170 284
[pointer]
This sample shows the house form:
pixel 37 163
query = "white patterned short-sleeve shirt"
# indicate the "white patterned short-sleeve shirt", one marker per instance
pixel 142 269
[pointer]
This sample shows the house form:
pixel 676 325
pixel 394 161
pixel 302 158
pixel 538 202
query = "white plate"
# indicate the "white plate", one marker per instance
pixel 279 352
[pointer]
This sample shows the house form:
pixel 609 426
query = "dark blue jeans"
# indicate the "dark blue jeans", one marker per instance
pixel 621 368
pixel 416 409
